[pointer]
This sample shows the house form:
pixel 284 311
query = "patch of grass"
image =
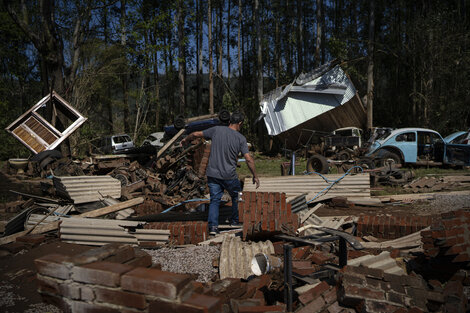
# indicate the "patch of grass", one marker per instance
pixel 437 171
pixel 267 166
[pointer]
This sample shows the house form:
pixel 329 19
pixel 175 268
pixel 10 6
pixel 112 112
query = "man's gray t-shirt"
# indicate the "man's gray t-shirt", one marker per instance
pixel 225 147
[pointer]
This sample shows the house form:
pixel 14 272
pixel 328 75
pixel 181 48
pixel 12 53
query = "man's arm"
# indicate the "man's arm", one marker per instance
pixel 251 165
pixel 192 136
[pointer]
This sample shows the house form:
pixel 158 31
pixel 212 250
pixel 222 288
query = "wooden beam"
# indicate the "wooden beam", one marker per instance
pixel 169 143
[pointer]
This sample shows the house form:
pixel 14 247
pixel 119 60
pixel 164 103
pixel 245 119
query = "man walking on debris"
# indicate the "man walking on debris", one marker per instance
pixel 227 143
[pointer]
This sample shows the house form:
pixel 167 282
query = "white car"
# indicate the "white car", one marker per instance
pixel 154 139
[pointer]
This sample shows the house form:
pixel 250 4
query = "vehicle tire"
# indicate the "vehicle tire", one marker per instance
pixel 366 164
pixel 179 122
pixel 343 155
pixel 317 163
pixel 390 158
pixel 48 153
pixel 123 179
pixel 224 115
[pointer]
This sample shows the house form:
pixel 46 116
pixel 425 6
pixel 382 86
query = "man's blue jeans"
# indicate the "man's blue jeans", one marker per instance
pixel 216 188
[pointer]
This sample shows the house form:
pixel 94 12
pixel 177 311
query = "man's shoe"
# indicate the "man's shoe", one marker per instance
pixel 214 230
pixel 236 224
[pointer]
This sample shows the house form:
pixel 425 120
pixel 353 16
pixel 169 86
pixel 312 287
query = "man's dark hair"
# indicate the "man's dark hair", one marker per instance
pixel 236 118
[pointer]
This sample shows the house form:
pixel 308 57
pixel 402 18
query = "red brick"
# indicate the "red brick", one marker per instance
pixel 316 305
pixel 313 293
pixel 363 293
pixel 331 295
pixel 380 307
pixel 142 259
pixel 204 303
pixel 119 297
pixel 32 239
pixel 157 283
pixel 119 251
pixel 100 273
pixel 305 271
pixel 48 285
pixel 320 257
pixel 51 265
pixel 261 309
pixel 225 287
pixel 367 271
pixel 334 308
pixel 79 306
pixel 125 254
pixel 279 247
pixel 301 263
pixel 299 253
pixel 455 250
pixel 71 291
pixel 197 303
pixel 260 281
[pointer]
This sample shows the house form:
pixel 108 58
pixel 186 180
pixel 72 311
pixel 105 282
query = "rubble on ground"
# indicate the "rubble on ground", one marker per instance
pixel 319 245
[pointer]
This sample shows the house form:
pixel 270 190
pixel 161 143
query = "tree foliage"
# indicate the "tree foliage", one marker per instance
pixel 132 65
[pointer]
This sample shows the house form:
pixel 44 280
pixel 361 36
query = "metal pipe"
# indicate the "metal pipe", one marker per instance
pixel 288 291
pixel 265 263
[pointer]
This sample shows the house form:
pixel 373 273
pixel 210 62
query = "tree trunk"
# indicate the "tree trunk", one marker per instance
pixel 300 38
pixel 370 67
pixel 259 58
pixel 228 39
pixel 211 79
pixel 239 39
pixel 125 76
pixel 277 43
pixel 199 33
pixel 181 56
pixel 319 33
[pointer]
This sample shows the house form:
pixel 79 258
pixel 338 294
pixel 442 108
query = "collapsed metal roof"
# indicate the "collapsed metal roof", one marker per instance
pixel 322 100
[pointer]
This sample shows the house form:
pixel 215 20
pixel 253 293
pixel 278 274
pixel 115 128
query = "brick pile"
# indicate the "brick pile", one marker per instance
pixel 201 159
pixel 372 290
pixel 182 233
pixel 117 278
pixel 391 227
pixel 266 212
pixel 148 207
pixel 321 298
pixel 449 237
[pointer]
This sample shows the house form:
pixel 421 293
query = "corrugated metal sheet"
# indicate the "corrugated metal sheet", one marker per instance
pixel 297 107
pixel 236 255
pixel 83 189
pixel 357 185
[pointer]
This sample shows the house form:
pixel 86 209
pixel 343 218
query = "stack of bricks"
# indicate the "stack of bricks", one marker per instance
pixel 372 290
pixel 148 207
pixel 449 237
pixel 201 159
pixel 182 233
pixel 266 212
pixel 391 227
pixel 117 278
pixel 321 298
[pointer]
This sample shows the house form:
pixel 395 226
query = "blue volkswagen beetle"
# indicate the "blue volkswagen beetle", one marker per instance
pixel 419 146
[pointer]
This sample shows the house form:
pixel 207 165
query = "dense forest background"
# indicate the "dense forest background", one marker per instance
pixel 133 65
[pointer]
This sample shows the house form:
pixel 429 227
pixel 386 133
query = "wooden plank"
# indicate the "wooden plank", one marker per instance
pixel 113 208
pixel 169 143
pixel 309 212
